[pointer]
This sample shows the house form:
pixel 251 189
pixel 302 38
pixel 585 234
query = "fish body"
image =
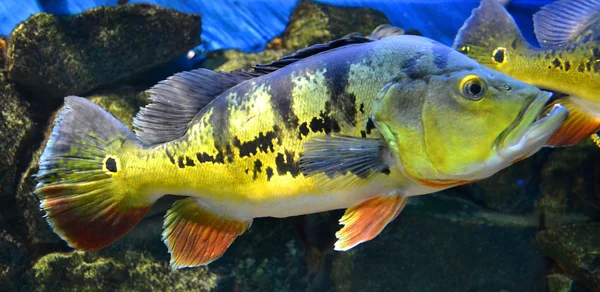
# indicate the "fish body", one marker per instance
pixel 358 123
pixel 567 61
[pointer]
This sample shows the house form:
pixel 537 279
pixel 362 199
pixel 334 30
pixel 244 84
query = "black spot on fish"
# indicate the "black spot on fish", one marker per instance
pixel 370 126
pixel 363 134
pixel 219 121
pixel 440 56
pixel 513 45
pixel 180 162
pixel 596 53
pixel 269 172
pixel 341 100
pixel 588 66
pixel 362 108
pixel 581 68
pixel 189 162
pixel 246 171
pixel 262 143
pixel 287 164
pixel 556 63
pixel 303 130
pixel 386 171
pixel 411 67
pixel 325 124
pixel 229 153
pixel 596 66
pixel 204 157
pixel 281 101
pixel 257 168
pixel 499 55
pixel 171 158
pixel 567 66
pixel 111 164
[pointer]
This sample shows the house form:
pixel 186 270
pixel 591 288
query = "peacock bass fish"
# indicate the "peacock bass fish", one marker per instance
pixel 568 61
pixel 360 123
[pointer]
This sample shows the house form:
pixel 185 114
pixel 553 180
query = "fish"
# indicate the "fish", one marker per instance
pixel 358 123
pixel 567 61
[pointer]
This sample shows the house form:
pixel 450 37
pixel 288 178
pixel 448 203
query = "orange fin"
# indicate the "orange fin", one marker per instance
pixel 365 221
pixel 578 126
pixel 196 236
pixel 88 216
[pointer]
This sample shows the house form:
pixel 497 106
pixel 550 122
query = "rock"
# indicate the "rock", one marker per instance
pixel 310 24
pixel 559 283
pixel 15 130
pixel 13 260
pixel 313 23
pixel 95 48
pixel 123 103
pixel 577 249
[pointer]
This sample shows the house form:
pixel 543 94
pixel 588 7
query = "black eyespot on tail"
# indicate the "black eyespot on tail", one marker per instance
pixel 111 164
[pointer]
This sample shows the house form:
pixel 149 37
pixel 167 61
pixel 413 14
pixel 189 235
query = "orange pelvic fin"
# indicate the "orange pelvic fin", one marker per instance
pixel 196 236
pixel 577 127
pixel 365 221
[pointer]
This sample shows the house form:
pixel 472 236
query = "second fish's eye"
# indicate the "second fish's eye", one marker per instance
pixel 474 88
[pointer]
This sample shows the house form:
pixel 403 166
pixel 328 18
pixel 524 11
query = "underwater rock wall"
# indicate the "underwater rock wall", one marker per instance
pixel 479 237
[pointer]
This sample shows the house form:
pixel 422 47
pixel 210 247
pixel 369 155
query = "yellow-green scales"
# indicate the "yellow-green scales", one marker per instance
pixel 358 123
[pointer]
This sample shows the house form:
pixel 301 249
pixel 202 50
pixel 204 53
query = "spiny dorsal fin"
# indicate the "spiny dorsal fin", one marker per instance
pixel 385 30
pixel 310 51
pixel 177 100
pixel 565 22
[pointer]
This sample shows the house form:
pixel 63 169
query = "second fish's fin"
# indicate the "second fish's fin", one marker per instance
pixel 197 236
pixel 566 22
pixel 579 125
pixel 489 34
pixel 365 221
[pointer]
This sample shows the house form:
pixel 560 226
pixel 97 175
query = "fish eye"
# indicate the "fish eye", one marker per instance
pixel 473 87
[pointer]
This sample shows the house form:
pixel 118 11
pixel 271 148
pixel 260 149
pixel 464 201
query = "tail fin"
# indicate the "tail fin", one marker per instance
pixel 81 180
pixel 488 34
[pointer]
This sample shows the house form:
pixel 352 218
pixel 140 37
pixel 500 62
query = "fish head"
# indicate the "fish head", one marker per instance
pixel 463 125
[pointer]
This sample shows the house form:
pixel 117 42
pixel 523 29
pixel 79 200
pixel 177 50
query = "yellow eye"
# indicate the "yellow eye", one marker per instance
pixel 473 88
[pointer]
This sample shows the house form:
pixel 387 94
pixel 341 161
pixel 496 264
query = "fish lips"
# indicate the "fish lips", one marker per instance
pixel 530 131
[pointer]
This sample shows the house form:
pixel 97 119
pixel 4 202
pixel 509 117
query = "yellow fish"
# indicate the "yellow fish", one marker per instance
pixel 358 123
pixel 568 61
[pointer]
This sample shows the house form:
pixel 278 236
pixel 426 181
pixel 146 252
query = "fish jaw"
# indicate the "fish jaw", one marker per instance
pixel 527 135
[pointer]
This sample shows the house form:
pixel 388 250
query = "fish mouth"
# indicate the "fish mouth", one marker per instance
pixel 532 128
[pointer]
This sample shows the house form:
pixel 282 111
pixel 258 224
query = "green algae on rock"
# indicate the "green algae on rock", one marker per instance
pixel 310 24
pixel 577 249
pixel 15 129
pixel 98 47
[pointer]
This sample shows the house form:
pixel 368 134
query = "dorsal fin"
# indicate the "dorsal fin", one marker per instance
pixel 177 100
pixel 566 22
pixel 385 30
pixel 310 51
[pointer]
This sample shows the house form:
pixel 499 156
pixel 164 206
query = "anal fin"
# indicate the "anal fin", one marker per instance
pixel 196 236
pixel 366 220
pixel 579 125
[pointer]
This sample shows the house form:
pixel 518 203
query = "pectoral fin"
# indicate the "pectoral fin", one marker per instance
pixel 579 125
pixel 365 221
pixel 196 236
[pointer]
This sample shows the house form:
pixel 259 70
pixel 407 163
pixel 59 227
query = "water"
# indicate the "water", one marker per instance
pixel 531 227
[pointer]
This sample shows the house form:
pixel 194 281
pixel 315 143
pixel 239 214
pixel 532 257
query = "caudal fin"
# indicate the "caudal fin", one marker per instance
pixel 81 178
pixel 489 34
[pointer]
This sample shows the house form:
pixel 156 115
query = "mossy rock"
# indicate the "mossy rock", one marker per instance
pixel 15 130
pixel 13 260
pixel 310 24
pixel 577 249
pixel 55 56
